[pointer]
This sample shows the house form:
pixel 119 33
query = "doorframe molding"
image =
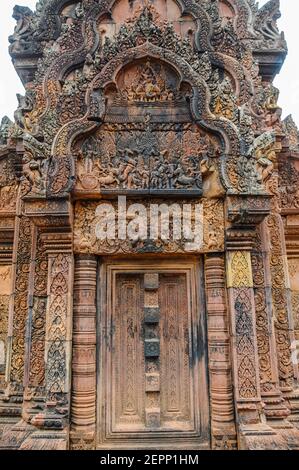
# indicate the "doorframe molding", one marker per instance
pixel 193 268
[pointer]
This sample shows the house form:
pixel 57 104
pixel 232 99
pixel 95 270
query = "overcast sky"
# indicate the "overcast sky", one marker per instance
pixel 287 81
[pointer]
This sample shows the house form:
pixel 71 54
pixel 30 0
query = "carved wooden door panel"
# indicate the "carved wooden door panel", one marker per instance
pixel 153 390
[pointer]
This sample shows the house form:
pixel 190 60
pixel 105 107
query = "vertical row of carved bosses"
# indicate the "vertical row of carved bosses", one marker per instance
pixel 151 346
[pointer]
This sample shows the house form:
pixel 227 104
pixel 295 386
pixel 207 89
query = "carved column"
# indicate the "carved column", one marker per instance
pixel 244 215
pixel 222 402
pixel 252 429
pixel 291 228
pixel 294 281
pixel 58 333
pixel 83 413
pixel 5 283
pixel 6 243
pixel 11 403
pixel 275 407
pixel 34 377
pixel 6 252
pixel 54 419
pixel 282 311
pixel 19 304
pixel 241 299
pixel 265 327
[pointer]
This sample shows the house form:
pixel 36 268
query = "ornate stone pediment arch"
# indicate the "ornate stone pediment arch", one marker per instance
pixel 73 72
pixel 96 104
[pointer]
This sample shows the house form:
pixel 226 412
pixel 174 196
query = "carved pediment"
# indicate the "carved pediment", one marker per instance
pixel 148 90
pixel 147 158
pixel 148 143
pixel 126 12
pixel 141 79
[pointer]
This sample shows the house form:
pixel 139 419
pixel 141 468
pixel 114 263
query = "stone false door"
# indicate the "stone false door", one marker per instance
pixel 152 378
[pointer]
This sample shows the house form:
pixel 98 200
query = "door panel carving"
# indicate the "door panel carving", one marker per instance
pixel 152 377
pixel 127 355
pixel 175 352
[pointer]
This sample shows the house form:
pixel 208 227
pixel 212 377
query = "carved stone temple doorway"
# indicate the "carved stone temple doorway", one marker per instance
pixel 152 381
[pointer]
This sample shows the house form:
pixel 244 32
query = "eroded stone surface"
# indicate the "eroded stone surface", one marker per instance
pixel 167 104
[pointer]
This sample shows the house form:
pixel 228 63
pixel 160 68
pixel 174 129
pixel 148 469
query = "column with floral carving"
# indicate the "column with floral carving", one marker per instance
pixel 58 347
pixel 12 402
pixel 276 409
pixel 282 312
pixel 240 288
pixel 34 376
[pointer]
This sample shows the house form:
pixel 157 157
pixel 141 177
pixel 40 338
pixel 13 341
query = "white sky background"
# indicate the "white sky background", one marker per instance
pixel 287 81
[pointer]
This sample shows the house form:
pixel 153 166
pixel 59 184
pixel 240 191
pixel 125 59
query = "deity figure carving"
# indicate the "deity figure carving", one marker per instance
pixel 127 167
pixel 26 114
pixel 21 40
pixel 149 86
pixel 5 127
pixel 34 175
pixel 223 99
pixel 263 149
pixel 272 110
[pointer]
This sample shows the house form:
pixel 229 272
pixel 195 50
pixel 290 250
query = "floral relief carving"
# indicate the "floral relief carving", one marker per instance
pixel 156 102
pixel 21 300
pixel 280 301
pixel 86 241
pixel 57 325
pixel 247 387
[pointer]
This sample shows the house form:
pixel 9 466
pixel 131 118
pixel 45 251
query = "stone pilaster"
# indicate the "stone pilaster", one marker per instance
pixel 8 413
pixel 34 394
pixel 222 401
pixel 53 421
pixel 252 429
pixel 83 411
pixel 12 401
pixel 244 216
pixel 245 358
pixel 275 408
pixel 282 313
